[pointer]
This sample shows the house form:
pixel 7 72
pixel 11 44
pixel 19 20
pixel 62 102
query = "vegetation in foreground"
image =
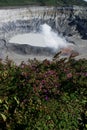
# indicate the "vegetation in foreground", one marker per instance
pixel 44 95
pixel 43 2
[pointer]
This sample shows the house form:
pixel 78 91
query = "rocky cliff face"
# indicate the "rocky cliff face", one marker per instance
pixel 67 21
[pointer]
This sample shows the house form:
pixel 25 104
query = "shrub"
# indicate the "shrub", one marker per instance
pixel 45 95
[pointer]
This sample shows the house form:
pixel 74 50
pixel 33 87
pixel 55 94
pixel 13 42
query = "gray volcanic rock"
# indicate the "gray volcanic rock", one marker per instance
pixel 3 48
pixel 70 22
pixel 25 49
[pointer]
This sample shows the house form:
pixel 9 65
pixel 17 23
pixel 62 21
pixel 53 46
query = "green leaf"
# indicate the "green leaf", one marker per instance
pixel 3 116
pixel 86 125
pixel 0 101
pixel 16 100
pixel 6 106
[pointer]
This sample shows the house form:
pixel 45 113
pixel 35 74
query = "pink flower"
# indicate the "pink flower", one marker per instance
pixel 40 87
pixel 46 98
pixel 85 74
pixel 43 82
pixel 22 66
pixel 69 75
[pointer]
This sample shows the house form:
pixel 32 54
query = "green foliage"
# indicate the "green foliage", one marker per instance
pixel 47 95
pixel 43 2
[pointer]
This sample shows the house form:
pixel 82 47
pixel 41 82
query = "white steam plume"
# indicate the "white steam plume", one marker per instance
pixel 52 39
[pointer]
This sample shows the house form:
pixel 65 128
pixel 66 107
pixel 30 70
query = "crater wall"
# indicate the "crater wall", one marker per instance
pixel 70 22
